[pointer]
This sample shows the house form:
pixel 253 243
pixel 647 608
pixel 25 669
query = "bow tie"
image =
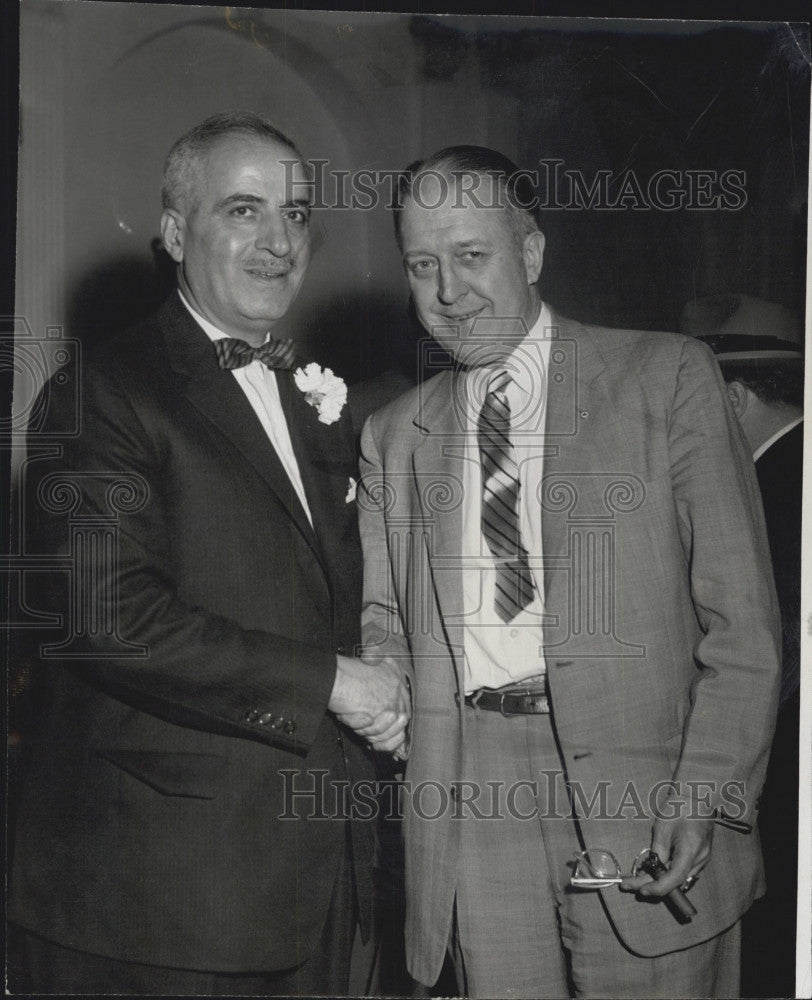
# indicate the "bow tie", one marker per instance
pixel 234 353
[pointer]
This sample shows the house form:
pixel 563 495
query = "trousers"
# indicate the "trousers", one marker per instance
pixel 520 929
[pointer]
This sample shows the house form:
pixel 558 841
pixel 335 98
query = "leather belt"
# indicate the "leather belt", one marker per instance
pixel 519 701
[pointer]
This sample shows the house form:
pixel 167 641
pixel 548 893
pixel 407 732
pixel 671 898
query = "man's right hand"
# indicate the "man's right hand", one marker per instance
pixel 371 697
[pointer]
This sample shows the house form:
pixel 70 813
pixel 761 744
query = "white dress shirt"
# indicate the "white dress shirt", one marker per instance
pixel 497 653
pixel 258 382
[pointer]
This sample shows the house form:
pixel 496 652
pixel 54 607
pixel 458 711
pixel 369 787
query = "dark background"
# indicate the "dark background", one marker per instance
pixel 107 87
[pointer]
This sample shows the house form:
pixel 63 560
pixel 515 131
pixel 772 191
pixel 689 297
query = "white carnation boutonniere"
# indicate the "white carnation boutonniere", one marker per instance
pixel 352 490
pixel 322 389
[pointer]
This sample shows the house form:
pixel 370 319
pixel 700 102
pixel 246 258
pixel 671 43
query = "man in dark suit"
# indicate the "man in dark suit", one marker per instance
pixel 765 381
pixel 183 829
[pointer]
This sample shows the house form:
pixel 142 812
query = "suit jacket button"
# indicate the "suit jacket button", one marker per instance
pixel 341 650
pixel 290 726
pixel 265 718
pixel 251 715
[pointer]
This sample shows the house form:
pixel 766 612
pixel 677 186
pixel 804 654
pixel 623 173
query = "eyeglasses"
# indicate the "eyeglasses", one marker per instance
pixel 599 869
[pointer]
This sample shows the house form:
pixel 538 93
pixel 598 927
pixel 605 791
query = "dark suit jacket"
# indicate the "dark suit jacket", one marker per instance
pixel 768 932
pixel 200 671
pixel 779 471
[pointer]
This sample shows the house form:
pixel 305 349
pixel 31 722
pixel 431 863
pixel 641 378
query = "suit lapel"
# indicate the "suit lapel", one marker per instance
pixel 576 451
pixel 439 460
pixel 324 462
pixel 216 394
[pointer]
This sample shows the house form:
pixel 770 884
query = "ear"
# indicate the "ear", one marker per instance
pixel 739 397
pixel 173 233
pixel 533 255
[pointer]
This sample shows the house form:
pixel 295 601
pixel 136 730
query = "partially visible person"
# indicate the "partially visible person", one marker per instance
pixel 764 370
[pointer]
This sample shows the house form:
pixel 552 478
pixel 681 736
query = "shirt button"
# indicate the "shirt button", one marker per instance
pixel 513 633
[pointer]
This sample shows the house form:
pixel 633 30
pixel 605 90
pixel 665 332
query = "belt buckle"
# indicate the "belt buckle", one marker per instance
pixel 506 715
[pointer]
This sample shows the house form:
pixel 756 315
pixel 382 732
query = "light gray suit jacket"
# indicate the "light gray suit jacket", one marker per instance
pixel 662 663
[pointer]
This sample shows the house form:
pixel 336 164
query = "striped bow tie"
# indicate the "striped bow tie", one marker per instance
pixel 234 353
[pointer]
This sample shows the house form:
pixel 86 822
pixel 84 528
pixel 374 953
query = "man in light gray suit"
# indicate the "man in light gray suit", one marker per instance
pixel 564 545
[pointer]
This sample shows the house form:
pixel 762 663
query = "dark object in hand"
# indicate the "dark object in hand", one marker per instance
pixel 676 900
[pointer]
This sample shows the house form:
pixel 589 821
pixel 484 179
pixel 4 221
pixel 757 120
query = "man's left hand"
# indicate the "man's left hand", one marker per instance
pixel 684 846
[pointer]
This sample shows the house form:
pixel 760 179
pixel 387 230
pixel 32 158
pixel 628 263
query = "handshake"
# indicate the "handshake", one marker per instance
pixel 371 695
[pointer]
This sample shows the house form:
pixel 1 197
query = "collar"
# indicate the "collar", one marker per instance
pixel 778 434
pixel 527 363
pixel 211 331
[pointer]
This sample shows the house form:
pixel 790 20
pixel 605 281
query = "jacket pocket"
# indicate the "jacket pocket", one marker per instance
pixel 193 775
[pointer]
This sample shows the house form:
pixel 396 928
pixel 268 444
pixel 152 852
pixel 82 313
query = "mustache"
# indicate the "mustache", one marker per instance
pixel 273 266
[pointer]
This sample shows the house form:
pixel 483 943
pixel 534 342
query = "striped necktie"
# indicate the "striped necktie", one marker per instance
pixel 234 353
pixel 500 503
